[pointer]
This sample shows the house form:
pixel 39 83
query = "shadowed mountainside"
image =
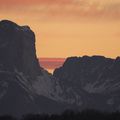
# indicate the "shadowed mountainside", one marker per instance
pixel 17 49
pixel 94 81
pixel 25 87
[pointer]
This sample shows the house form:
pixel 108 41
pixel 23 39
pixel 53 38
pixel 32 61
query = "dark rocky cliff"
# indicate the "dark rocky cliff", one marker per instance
pixel 94 80
pixel 25 87
pixel 17 49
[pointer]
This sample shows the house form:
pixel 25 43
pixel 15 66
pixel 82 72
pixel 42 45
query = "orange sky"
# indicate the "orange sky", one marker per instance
pixel 69 27
pixel 51 63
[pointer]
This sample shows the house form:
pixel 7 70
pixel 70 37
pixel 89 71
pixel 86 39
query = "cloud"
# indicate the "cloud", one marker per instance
pixel 22 2
pixel 65 8
pixel 83 9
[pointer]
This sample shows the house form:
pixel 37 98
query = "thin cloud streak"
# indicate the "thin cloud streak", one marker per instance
pixel 62 8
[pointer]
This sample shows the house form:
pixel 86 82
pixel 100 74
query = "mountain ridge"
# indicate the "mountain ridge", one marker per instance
pixel 92 78
pixel 22 79
pixel 26 87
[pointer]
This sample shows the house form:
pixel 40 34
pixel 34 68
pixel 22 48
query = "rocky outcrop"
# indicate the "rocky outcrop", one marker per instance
pixel 17 49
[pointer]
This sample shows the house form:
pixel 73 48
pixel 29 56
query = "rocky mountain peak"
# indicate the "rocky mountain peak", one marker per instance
pixel 17 49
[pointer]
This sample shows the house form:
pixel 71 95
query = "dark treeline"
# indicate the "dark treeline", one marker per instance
pixel 69 115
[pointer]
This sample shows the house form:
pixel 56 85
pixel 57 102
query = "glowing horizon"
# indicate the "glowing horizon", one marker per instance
pixel 66 28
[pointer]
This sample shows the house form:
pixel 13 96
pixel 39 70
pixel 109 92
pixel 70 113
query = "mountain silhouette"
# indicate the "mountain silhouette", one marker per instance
pixel 17 49
pixel 26 87
pixel 94 81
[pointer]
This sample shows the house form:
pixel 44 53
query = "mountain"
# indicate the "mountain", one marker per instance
pixel 93 82
pixel 17 49
pixel 25 87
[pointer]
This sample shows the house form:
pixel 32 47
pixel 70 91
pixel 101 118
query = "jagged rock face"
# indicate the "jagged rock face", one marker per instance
pixel 25 87
pixel 17 49
pixel 95 80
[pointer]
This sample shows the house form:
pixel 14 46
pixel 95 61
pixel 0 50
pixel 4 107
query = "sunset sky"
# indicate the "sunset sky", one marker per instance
pixel 69 27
